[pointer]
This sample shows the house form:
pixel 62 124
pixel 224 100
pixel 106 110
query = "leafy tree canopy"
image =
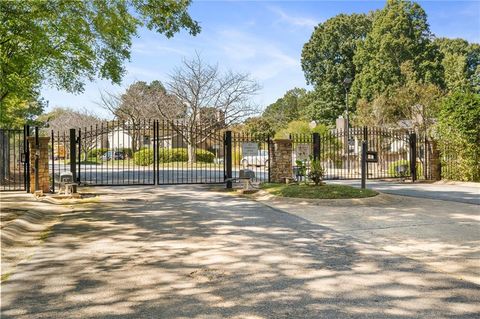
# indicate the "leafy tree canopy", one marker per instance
pixel 301 127
pixel 286 109
pixel 400 33
pixel 66 42
pixel 461 64
pixel 258 126
pixel 327 59
pixel 414 101
pixel 459 134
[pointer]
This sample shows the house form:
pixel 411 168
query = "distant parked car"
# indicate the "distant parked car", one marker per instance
pixel 261 159
pixel 116 155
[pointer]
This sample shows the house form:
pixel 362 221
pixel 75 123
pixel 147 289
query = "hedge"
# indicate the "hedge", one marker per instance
pixel 144 157
pixel 204 156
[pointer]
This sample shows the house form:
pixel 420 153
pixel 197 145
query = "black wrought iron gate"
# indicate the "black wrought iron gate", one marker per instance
pixel 14 159
pixel 399 153
pixel 148 152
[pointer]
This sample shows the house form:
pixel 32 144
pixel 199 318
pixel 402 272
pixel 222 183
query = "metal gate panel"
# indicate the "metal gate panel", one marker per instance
pixel 340 152
pixel 189 154
pixel 14 159
pixel 258 162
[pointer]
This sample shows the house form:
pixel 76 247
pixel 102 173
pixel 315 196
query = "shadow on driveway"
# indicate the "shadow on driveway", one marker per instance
pixel 184 252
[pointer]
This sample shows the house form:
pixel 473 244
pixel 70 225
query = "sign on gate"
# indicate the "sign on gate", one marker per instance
pixel 249 149
pixel 302 151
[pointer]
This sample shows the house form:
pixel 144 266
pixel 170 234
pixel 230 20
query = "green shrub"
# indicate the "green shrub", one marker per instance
pixel 316 172
pixel 204 156
pixel 458 132
pixel 143 157
pixel 97 152
pixel 394 172
pixel 167 155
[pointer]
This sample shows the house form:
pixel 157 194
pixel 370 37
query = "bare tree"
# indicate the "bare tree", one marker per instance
pixel 201 97
pixel 61 120
pixel 134 106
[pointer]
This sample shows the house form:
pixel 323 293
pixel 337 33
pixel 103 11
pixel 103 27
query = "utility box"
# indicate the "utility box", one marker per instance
pixel 247 174
pixel 67 185
pixel 66 177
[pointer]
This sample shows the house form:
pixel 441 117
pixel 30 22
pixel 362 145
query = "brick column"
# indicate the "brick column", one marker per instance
pixel 43 168
pixel 280 160
pixel 434 161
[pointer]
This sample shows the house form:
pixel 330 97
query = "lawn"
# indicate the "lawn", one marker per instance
pixel 325 191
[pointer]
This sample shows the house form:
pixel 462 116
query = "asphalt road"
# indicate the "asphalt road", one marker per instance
pixel 186 252
pixel 464 193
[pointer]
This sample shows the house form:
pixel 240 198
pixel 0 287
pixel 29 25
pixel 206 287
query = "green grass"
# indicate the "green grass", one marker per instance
pixel 317 192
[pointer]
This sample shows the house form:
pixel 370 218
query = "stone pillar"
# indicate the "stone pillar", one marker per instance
pixel 280 160
pixel 43 168
pixel 434 161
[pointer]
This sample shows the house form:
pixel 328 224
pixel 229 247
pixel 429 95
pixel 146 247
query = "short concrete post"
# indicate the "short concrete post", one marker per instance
pixel 280 160
pixel 43 167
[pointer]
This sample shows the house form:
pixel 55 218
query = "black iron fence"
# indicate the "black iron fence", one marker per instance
pixel 398 155
pixel 14 159
pixel 251 152
pixel 146 152
pixel 154 152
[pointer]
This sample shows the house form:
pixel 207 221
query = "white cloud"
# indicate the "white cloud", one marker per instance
pixel 259 56
pixel 153 48
pixel 294 20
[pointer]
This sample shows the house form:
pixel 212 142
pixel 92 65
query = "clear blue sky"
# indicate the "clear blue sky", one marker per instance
pixel 264 38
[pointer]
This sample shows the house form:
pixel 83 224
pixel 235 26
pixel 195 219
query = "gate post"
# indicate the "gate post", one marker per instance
pixel 316 146
pixel 37 159
pixel 228 158
pixel 26 167
pixel 73 154
pixel 281 160
pixel 364 163
pixel 39 175
pixel 413 156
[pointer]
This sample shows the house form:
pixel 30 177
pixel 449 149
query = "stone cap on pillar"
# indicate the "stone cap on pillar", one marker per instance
pixel 41 139
pixel 282 140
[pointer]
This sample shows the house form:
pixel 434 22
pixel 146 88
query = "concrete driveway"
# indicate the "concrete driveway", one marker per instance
pixel 186 252
pixel 458 192
pixel 442 235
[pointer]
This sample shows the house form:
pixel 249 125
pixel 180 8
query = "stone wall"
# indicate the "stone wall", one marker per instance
pixel 280 160
pixel 43 168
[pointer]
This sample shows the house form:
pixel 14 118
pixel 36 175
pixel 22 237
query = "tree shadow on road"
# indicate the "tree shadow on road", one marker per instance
pixel 188 253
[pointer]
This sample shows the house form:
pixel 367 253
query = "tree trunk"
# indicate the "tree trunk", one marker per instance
pixel 192 156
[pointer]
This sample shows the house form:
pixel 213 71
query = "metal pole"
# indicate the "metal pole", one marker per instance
pixel 37 157
pixel 73 157
pixel 316 146
pixel 228 158
pixel 413 156
pixel 53 162
pixel 364 163
pixel 348 130
pixel 27 158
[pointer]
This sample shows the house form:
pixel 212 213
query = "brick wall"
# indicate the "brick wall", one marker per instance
pixel 43 168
